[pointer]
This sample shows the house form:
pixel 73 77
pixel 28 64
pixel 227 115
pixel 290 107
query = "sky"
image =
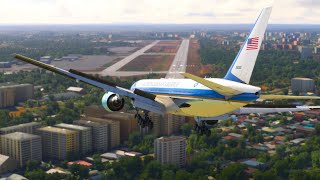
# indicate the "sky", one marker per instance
pixel 156 11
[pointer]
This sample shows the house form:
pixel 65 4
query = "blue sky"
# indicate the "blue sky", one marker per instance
pixel 156 11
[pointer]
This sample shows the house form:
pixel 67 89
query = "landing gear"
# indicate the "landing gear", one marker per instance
pixel 202 124
pixel 202 129
pixel 144 120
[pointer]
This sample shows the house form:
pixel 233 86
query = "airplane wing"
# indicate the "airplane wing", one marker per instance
pixel 283 97
pixel 141 98
pixel 265 109
pixel 226 91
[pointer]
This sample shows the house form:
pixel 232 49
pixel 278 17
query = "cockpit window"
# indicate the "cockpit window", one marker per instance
pixel 258 93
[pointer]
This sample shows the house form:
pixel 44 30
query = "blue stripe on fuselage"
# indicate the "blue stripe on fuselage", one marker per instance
pixel 199 93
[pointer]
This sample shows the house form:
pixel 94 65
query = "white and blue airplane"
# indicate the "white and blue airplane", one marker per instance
pixel 206 99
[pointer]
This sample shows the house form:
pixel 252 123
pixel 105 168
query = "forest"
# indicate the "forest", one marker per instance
pixel 274 68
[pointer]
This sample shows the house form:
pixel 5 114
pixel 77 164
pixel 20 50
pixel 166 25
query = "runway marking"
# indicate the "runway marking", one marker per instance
pixel 179 63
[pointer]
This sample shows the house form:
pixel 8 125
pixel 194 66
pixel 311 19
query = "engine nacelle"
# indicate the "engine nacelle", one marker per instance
pixel 112 102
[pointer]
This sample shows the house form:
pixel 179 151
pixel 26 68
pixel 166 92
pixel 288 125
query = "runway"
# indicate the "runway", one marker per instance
pixel 179 63
pixel 110 71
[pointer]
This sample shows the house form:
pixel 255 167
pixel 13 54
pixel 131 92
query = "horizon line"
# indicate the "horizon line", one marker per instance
pixel 115 24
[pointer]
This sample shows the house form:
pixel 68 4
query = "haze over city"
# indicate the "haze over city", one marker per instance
pixel 154 11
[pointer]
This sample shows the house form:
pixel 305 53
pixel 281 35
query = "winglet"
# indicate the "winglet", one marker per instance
pixel 282 97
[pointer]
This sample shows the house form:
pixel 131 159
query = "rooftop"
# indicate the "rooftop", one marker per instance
pixel 80 162
pixel 11 85
pixel 14 177
pixel 171 138
pixel 111 156
pixel 56 130
pixel 76 89
pixel 71 126
pixel 100 120
pixel 252 163
pixel 297 141
pixel 119 115
pixel 45 57
pixel 20 136
pixel 90 123
pixel 235 135
pixel 20 125
pixel 59 171
pixel 299 78
pixel 3 159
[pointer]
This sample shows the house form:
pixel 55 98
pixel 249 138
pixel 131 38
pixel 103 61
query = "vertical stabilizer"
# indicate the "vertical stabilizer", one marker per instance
pixel 242 67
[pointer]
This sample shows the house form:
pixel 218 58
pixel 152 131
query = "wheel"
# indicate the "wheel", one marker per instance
pixel 198 130
pixel 201 131
pixel 208 132
pixel 212 122
pixel 143 124
pixel 196 127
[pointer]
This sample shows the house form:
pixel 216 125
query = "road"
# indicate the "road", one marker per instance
pixel 179 63
pixel 112 70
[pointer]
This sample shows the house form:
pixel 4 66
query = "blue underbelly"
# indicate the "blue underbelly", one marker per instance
pixel 199 93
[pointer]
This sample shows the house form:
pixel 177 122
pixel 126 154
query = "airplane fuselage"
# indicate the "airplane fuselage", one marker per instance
pixel 201 100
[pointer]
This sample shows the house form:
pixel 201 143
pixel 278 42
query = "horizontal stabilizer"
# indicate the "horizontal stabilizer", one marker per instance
pixel 223 90
pixel 283 97
pixel 266 110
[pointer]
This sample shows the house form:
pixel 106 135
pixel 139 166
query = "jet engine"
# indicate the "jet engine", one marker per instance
pixel 112 102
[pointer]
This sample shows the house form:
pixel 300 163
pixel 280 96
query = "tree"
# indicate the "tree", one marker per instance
pixel 199 174
pixel 132 165
pixel 97 162
pixel 186 129
pixel 285 91
pixel 182 175
pixel 71 155
pixel 134 139
pixel 315 159
pixel 79 171
pixel 168 174
pixel 152 171
pixel 147 160
pixel 281 149
pixel 234 171
pixel 64 164
pixel 266 175
pixel 4 118
pixel 281 168
pixel 35 174
pixel 301 160
pixel 32 165
pixel 263 157
pixel 69 105
pixel 317 129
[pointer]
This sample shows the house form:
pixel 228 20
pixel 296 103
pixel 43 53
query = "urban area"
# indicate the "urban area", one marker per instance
pixel 56 128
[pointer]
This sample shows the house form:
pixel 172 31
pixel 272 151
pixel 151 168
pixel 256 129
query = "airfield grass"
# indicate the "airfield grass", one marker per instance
pixel 149 63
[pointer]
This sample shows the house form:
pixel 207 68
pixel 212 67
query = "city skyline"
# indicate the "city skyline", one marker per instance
pixel 155 12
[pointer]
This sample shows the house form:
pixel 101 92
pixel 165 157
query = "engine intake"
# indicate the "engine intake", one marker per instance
pixel 112 102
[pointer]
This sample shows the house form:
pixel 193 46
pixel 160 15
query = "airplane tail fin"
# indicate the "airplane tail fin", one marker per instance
pixel 242 67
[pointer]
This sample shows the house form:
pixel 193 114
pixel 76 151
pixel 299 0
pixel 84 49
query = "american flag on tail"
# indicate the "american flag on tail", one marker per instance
pixel 253 43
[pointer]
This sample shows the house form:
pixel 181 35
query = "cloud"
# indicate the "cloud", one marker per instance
pixel 310 3
pixel 201 14
pixel 154 11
